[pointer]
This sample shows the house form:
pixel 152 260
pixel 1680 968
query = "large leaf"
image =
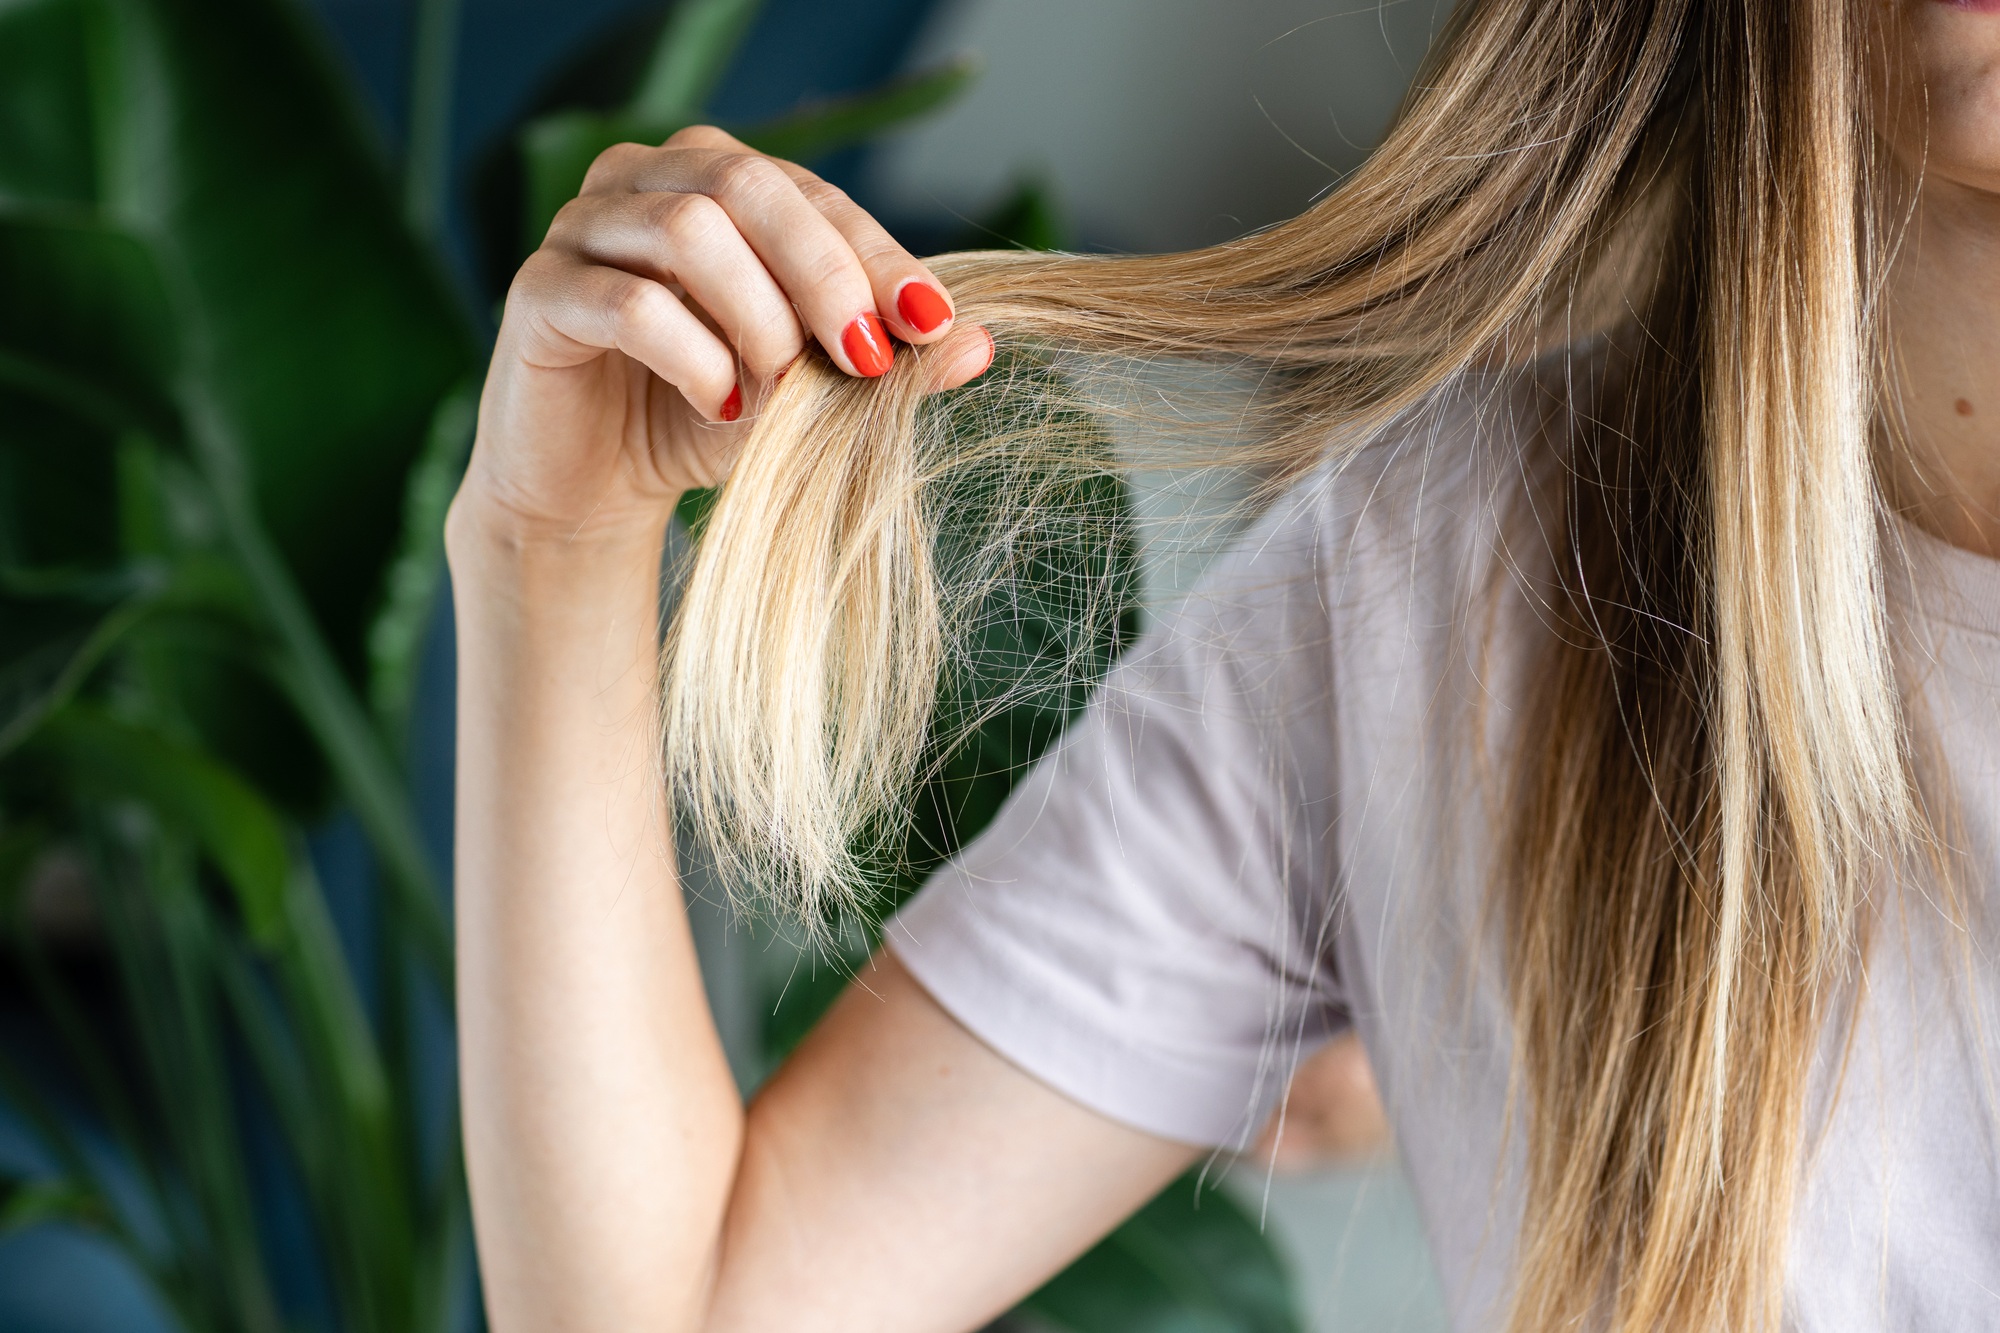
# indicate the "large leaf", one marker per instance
pixel 1190 1261
pixel 695 47
pixel 86 306
pixel 47 152
pixel 559 149
pixel 395 640
pixel 165 941
pixel 328 335
pixel 51 646
pixel 31 1203
pixel 221 153
pixel 825 126
pixel 107 757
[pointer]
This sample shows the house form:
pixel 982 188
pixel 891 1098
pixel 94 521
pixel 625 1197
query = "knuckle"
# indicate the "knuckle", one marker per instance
pixel 826 197
pixel 877 247
pixel 831 267
pixel 769 345
pixel 533 280
pixel 541 286
pixel 569 223
pixel 614 163
pixel 745 176
pixel 635 304
pixel 689 219
pixel 696 136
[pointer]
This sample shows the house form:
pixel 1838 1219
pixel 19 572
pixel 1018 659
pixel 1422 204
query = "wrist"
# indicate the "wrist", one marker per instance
pixel 544 592
pixel 487 538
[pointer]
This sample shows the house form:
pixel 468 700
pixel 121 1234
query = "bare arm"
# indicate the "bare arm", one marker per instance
pixel 896 1174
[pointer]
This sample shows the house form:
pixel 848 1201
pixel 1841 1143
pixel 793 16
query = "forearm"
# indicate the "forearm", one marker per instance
pixel 602 1126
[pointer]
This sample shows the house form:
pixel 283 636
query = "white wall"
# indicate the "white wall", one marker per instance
pixel 1162 124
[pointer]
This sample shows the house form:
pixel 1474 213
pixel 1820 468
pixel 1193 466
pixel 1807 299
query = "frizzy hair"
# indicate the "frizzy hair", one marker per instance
pixel 1720 759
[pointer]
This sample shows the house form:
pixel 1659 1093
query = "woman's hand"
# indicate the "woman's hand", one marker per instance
pixel 897 1174
pixel 665 302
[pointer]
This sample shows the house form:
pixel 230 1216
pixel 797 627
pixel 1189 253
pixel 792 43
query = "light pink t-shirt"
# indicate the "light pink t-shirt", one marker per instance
pixel 1278 819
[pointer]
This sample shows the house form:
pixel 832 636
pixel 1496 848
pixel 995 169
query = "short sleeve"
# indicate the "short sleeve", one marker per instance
pixel 1148 924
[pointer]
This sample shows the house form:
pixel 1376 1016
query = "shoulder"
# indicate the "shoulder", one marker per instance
pixel 1459 488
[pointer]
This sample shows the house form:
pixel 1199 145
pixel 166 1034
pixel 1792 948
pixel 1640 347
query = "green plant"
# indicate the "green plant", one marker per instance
pixel 235 395
pixel 221 355
pixel 694 51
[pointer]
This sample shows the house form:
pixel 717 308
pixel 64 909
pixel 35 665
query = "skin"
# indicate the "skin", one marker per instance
pixel 1332 1113
pixel 895 1174
pixel 1945 287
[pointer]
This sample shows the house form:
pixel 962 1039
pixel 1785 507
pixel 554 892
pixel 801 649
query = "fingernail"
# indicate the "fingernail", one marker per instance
pixel 991 351
pixel 921 307
pixel 866 343
pixel 732 406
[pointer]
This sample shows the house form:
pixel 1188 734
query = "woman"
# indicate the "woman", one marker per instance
pixel 1601 723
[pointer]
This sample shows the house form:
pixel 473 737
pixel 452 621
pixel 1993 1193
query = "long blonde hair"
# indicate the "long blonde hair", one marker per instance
pixel 1720 764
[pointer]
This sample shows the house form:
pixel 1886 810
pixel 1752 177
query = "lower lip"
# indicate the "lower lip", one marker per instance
pixel 1976 6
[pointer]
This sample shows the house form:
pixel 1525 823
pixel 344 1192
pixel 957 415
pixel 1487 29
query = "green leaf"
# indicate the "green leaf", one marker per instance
pixel 224 155
pixel 334 1102
pixel 558 149
pixel 699 40
pixel 165 942
pixel 315 329
pixel 87 305
pixel 56 626
pixel 213 235
pixel 106 757
pixel 21 846
pixel 818 128
pixel 61 1139
pixel 1026 219
pixel 31 1203
pixel 397 637
pixel 37 683
pixel 1190 1261
pixel 46 153
pixel 556 153
pixel 433 83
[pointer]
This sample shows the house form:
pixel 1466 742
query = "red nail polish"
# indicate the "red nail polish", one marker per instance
pixel 732 406
pixel 866 343
pixel 921 307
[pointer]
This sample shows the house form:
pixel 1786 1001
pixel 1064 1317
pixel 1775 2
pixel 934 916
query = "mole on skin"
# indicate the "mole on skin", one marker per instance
pixel 1964 407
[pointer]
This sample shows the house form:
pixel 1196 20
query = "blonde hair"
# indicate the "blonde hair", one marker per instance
pixel 1720 763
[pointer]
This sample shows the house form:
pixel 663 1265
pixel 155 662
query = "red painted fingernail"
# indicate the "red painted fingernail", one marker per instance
pixel 866 343
pixel 732 406
pixel 921 307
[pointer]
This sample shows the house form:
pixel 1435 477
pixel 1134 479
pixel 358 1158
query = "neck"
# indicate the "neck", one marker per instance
pixel 1945 298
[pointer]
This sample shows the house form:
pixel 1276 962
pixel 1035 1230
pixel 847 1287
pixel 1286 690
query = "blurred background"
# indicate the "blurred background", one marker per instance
pixel 251 252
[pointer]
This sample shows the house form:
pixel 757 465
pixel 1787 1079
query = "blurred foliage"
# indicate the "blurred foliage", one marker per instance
pixel 1191 1261
pixel 1026 218
pixel 695 48
pixel 221 356
pixel 235 397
